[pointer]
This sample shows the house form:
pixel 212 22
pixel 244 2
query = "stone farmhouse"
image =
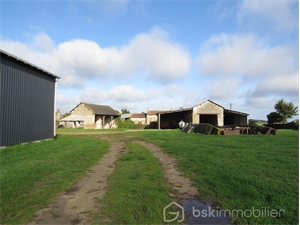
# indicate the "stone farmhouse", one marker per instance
pixel 90 116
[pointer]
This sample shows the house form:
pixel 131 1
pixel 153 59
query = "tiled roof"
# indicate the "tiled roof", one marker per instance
pixel 235 112
pixel 138 115
pixel 102 109
pixel 76 118
pixel 154 112
pixel 125 116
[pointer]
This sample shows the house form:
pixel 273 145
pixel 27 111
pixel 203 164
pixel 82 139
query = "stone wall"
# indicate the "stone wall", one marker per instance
pixel 83 110
pixel 151 119
pixel 139 120
pixel 109 122
pixel 208 108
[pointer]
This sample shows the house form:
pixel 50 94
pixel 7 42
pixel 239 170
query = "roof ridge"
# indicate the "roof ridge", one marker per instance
pixel 93 104
pixel 29 63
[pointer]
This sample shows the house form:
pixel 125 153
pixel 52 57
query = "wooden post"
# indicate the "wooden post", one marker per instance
pixel 158 121
pixel 103 121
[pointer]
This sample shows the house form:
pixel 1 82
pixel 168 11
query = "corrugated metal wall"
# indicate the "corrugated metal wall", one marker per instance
pixel 26 103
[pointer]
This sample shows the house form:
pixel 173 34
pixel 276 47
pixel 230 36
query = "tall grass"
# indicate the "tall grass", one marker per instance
pixel 33 174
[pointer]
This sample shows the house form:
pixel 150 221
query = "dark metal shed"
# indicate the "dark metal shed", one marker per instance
pixel 27 101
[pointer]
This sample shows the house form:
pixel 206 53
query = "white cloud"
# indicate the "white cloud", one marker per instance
pixel 173 90
pixel 223 88
pixel 241 66
pixel 244 55
pixel 287 85
pixel 66 103
pixel 93 95
pixel 117 94
pixel 278 15
pixel 223 9
pixel 162 59
pixel 79 59
pixel 43 42
pixel 126 93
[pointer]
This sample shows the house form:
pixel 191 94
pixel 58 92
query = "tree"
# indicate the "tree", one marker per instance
pixel 252 122
pixel 124 111
pixel 65 115
pixel 286 110
pixel 274 117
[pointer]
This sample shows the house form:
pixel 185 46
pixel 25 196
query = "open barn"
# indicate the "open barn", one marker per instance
pixel 206 112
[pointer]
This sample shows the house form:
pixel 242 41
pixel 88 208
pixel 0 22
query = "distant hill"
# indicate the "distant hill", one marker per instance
pixel 257 122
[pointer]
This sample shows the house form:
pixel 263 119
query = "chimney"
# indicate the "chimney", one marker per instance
pixel 230 106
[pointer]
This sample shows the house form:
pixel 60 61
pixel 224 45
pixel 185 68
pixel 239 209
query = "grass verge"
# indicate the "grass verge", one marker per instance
pixel 240 172
pixel 33 174
pixel 137 191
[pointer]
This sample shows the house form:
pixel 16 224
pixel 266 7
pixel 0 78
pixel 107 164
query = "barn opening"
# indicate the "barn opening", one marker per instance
pixel 234 117
pixel 171 119
pixel 209 118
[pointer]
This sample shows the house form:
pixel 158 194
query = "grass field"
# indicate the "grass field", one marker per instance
pixel 233 172
pixel 240 172
pixel 137 191
pixel 32 174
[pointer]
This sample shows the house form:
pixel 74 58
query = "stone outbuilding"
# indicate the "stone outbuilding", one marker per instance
pixel 151 117
pixel 206 112
pixel 91 116
pixel 138 118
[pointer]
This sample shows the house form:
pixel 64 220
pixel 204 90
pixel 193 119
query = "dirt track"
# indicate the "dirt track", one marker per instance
pixel 182 185
pixel 73 206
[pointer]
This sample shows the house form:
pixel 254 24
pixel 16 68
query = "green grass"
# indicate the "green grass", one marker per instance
pixel 81 130
pixel 33 174
pixel 234 172
pixel 239 172
pixel 261 123
pixel 137 192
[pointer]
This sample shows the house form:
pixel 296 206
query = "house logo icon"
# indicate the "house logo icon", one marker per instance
pixel 173 212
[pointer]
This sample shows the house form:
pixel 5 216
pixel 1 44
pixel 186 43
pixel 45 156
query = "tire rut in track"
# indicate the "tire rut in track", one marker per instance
pixel 74 205
pixel 182 185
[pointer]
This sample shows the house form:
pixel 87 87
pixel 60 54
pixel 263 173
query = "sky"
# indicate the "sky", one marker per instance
pixel 160 54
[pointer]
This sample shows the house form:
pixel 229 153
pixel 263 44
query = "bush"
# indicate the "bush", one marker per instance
pixel 290 125
pixel 297 124
pixel 274 117
pixel 128 124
